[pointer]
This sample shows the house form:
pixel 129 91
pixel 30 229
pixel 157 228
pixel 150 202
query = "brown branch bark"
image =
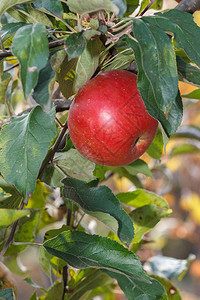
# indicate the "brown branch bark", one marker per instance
pixel 54 149
pixel 51 45
pixel 189 6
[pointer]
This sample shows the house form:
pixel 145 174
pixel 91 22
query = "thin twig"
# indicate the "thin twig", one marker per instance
pixel 11 67
pixel 53 44
pixel 54 149
pixel 12 233
pixel 147 7
pixel 2 45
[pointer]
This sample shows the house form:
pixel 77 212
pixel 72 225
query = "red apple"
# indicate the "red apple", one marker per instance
pixel 108 122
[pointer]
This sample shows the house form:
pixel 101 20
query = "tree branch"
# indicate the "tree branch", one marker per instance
pixel 54 149
pixel 53 44
pixel 189 6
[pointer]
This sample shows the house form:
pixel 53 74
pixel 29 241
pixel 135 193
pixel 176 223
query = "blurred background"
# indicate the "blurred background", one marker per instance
pixel 176 177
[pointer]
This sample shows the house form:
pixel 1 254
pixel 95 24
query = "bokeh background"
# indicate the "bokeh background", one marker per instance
pixel 176 177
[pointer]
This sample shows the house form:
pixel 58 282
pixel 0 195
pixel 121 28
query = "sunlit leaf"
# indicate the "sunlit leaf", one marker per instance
pixel 150 208
pixel 193 95
pixel 138 166
pixel 9 216
pixel 155 150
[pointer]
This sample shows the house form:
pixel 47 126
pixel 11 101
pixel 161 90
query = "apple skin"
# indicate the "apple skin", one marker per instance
pixel 108 122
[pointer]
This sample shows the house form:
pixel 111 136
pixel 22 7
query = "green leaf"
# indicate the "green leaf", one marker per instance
pixel 33 284
pixel 87 63
pixel 81 250
pixel 7 294
pixel 55 291
pixel 33 297
pixel 140 198
pixel 188 72
pixel 171 290
pixel 52 6
pixel 26 232
pixel 75 45
pixel 73 164
pixel 76 72
pixel 156 5
pixel 139 290
pixel 131 6
pixel 159 62
pixel 193 95
pixel 9 216
pixel 150 208
pixel 99 199
pixel 93 278
pixel 191 132
pixel 121 4
pixel 168 267
pixel 25 42
pixel 89 6
pixel 29 137
pixel 5 4
pixel 4 82
pixel 185 30
pixel 155 150
pixel 9 29
pixel 52 176
pixel 170 122
pixel 41 93
pixel 184 149
pixel 47 261
pixel 146 217
pixel 120 61
pixel 138 166
pixel 13 198
pixel 37 16
pixel 122 172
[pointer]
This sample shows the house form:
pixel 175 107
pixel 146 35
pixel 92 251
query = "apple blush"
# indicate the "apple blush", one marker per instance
pixel 108 122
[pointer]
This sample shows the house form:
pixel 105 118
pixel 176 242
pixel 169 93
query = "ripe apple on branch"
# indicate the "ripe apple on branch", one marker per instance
pixel 108 122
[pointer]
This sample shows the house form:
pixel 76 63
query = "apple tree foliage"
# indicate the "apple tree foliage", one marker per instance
pixel 51 48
